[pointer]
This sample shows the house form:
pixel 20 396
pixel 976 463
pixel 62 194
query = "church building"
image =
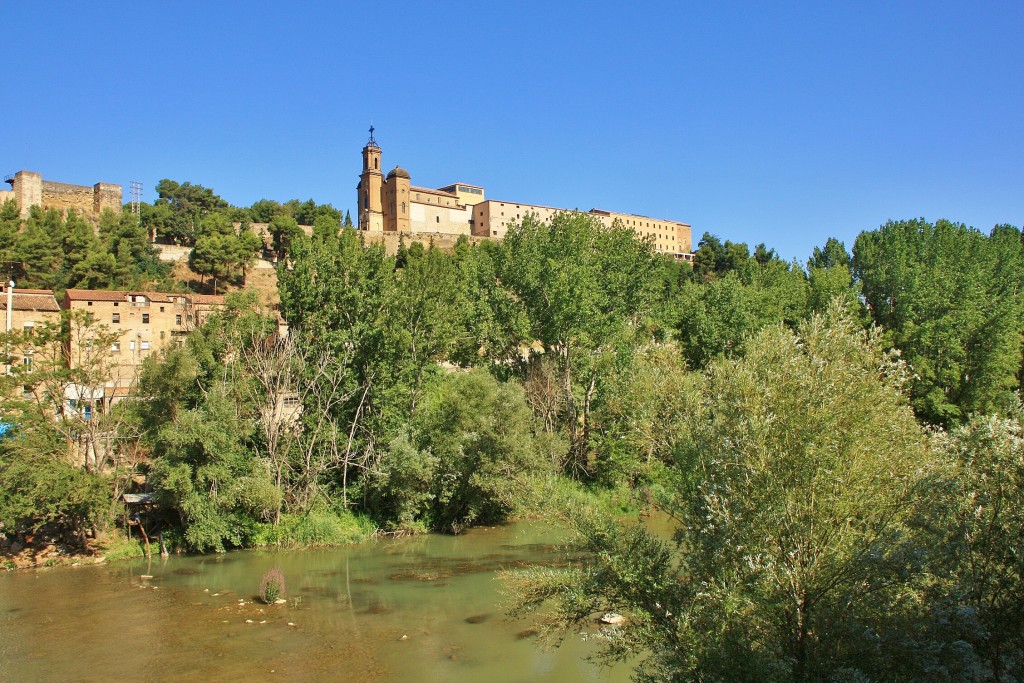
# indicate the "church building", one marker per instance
pixel 390 204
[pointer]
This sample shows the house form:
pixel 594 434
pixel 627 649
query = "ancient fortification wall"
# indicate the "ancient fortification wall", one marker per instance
pixel 29 189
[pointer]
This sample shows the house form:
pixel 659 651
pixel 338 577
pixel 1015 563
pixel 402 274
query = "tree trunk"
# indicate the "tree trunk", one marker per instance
pixel 800 645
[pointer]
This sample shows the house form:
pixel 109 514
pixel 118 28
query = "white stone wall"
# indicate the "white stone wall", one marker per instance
pixel 431 218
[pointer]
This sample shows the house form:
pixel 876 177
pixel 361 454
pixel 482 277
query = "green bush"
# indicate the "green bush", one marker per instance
pixel 39 491
pixel 115 546
pixel 317 528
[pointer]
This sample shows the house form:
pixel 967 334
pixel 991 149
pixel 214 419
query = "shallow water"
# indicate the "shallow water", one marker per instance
pixel 419 609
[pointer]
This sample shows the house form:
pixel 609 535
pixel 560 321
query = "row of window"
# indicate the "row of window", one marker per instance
pixel 118 303
pixel 116 318
pixel 143 346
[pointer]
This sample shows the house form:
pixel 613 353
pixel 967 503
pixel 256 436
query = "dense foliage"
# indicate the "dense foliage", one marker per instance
pixel 837 446
pixel 950 298
pixel 51 250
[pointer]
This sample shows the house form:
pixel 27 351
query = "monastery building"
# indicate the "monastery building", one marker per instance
pixel 390 204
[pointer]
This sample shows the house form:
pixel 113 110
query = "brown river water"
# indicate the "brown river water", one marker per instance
pixel 426 608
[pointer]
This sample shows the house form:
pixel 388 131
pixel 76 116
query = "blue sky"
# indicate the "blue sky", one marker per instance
pixel 759 123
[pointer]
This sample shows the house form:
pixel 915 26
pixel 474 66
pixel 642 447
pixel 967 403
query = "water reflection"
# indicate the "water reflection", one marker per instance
pixel 414 609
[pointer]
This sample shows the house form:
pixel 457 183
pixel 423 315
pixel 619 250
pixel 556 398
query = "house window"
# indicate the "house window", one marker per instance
pixel 115 318
pixel 88 303
pixel 131 345
pixel 27 360
pixel 145 318
pixel 177 319
pixel 145 346
pixel 161 334
pixel 438 218
pixel 29 327
pixel 290 401
pixel 161 309
pixel 115 347
pixel 88 411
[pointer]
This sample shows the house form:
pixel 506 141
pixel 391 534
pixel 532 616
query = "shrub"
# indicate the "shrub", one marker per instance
pixel 116 546
pixel 272 586
pixel 315 528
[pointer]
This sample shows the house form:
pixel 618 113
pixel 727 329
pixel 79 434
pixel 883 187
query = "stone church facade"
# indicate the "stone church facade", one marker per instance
pixel 389 204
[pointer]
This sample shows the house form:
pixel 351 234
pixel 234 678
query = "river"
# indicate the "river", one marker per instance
pixel 425 608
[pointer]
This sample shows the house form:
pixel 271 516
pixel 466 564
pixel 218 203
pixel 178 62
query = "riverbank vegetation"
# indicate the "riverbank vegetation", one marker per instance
pixel 838 443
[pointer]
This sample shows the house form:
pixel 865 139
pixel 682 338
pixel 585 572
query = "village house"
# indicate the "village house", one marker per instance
pixel 138 324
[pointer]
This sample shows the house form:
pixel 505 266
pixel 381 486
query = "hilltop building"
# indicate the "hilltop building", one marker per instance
pixel 391 204
pixel 28 189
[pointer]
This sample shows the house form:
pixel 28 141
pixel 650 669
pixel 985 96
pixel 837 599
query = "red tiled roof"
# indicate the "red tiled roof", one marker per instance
pixel 157 297
pixel 95 295
pixel 22 290
pixel 31 302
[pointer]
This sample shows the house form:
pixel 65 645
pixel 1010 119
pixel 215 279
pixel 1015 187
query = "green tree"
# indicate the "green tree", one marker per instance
pixel 204 471
pixel 495 322
pixel 950 300
pixel 189 204
pixel 137 260
pixel 584 289
pixel 831 255
pixel 427 311
pixel 795 499
pixel 39 489
pixel 283 230
pixel 335 296
pixel 80 243
pixel 716 316
pixel 39 250
pixel 212 257
pixel 981 553
pixel 264 210
pixel 642 419
pixel 480 431
pixel 469 458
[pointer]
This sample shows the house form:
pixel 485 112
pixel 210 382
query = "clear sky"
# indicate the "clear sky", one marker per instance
pixel 783 123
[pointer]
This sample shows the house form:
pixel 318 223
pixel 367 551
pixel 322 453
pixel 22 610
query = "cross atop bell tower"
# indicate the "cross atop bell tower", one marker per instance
pixel 370 188
pixel 371 154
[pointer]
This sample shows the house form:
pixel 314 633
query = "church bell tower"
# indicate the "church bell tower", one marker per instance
pixel 370 189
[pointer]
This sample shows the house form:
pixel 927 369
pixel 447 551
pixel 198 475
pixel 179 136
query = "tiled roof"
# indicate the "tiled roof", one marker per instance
pixel 31 302
pixel 95 295
pixel 121 295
